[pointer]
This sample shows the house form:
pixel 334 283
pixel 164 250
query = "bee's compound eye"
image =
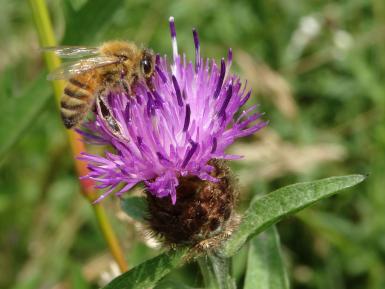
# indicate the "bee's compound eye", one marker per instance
pixel 146 66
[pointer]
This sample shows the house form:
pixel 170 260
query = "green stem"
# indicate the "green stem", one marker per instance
pixel 216 272
pixel 47 38
pixel 221 267
pixel 209 278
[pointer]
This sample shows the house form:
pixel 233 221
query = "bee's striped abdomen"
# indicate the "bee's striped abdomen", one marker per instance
pixel 79 84
pixel 76 101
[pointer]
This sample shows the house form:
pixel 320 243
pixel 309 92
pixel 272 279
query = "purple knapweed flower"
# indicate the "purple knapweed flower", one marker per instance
pixel 173 130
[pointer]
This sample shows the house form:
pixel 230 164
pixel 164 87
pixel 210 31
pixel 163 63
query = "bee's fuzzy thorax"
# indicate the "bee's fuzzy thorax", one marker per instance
pixel 129 49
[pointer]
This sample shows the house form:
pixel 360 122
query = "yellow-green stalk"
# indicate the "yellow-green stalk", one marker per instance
pixel 47 39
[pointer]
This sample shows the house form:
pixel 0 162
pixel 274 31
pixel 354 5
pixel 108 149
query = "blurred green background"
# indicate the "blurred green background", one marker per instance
pixel 316 68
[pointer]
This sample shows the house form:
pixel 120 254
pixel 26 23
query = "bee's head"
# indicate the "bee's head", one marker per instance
pixel 140 62
pixel 147 63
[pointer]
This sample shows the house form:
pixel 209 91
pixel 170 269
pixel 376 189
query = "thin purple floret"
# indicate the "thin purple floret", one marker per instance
pixel 187 118
pixel 177 91
pixel 197 50
pixel 221 77
pixel 172 28
pixel 190 153
pixel 229 94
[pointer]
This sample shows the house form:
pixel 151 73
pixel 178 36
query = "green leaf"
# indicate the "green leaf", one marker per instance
pixel 271 208
pixel 84 24
pixel 265 268
pixel 19 112
pixel 221 267
pixel 147 274
pixel 135 207
pixel 216 271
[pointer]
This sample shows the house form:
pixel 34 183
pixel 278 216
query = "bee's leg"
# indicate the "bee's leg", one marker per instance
pixel 123 82
pixel 105 113
pixel 126 87
pixel 94 109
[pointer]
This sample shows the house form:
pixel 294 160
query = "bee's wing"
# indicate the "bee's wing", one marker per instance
pixel 72 51
pixel 69 69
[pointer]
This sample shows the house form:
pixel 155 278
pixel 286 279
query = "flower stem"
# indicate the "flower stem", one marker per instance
pixel 216 272
pixel 209 279
pixel 47 38
pixel 221 268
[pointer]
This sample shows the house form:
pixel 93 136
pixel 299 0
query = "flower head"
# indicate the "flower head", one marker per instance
pixel 188 118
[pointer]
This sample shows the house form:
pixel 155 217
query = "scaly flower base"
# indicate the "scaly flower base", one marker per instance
pixel 203 214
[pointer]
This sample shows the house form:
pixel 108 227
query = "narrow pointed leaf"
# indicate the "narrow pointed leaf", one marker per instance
pixel 265 268
pixel 271 208
pixel 147 274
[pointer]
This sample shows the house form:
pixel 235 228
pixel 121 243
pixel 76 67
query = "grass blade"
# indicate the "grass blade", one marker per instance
pixel 18 113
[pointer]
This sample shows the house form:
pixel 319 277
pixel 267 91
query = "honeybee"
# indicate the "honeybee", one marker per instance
pixel 114 66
